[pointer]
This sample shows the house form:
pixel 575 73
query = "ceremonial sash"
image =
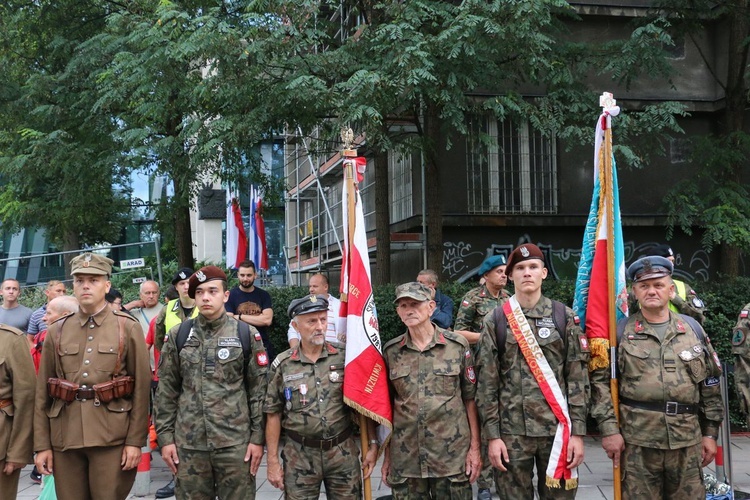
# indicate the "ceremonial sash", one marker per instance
pixel 539 367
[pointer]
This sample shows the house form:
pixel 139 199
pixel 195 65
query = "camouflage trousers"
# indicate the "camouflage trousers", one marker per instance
pixel 524 453
pixel 665 474
pixel 305 468
pixel 487 476
pixel 205 475
pixel 439 488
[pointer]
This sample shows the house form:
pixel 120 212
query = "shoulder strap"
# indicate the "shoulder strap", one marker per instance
pixel 501 331
pixel 182 333
pixel 244 332
pixel 558 318
pixel 621 329
pixel 697 328
pixel 120 345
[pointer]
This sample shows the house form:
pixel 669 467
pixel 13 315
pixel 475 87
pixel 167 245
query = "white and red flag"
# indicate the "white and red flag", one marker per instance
pixel 257 239
pixel 236 236
pixel 365 376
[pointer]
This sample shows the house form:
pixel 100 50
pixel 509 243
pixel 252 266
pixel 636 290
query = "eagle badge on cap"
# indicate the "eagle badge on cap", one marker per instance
pixel 87 260
pixel 313 298
pixel 182 275
pixel 200 276
pixel 524 251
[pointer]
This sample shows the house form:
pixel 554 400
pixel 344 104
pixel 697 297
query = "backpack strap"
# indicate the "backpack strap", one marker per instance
pixel 697 328
pixel 501 330
pixel 558 318
pixel 182 333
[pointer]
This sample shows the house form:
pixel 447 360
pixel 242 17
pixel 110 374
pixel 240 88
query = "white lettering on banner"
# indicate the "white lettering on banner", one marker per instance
pixel 132 263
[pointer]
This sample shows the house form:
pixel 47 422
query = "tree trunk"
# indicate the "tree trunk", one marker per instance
pixel 71 241
pixel 382 221
pixel 432 193
pixel 183 238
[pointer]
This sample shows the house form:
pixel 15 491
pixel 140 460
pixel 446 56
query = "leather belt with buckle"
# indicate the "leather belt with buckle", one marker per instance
pixel 84 393
pixel 666 407
pixel 321 444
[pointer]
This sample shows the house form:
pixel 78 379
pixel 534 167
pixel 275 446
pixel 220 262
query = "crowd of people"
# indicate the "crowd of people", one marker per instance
pixel 503 392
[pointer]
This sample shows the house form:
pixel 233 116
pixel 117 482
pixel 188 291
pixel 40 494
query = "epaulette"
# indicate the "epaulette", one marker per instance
pixel 66 315
pixel 281 357
pixel 124 315
pixel 455 337
pixel 394 341
pixel 11 329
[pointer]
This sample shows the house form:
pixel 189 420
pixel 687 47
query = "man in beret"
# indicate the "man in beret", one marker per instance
pixel 474 307
pixel 533 386
pixel 434 448
pixel 670 401
pixel 741 352
pixel 442 316
pixel 306 415
pixel 212 382
pixel 90 434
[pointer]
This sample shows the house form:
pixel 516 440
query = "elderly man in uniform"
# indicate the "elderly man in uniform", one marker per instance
pixel 741 351
pixel 434 449
pixel 533 386
pixel 91 411
pixel 670 401
pixel 305 406
pixel 17 380
pixel 212 381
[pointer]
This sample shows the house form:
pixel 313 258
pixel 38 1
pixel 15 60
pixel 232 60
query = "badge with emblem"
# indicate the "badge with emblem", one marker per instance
pixel 544 333
pixel 303 392
pixel 471 375
pixel 313 299
pixel 261 358
pixel 200 276
pixel 680 327
pixel 697 349
pixel 738 338
pixel 288 397
pixel 638 326
pixel 467 354
pixel 182 275
pixel 87 260
pixel 223 353
pixel 717 361
pixel 698 302
pixel 524 251
pixel 584 343
pixel 686 355
pixel 333 376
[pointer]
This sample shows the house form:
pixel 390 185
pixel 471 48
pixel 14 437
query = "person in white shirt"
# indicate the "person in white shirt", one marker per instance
pixel 336 331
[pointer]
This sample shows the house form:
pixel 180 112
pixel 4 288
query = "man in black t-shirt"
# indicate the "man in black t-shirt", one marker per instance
pixel 251 304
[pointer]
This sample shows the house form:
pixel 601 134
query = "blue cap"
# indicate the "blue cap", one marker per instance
pixel 491 263
pixel 650 267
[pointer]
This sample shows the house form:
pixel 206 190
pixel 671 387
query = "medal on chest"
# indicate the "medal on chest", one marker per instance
pixel 303 393
pixel 333 376
pixel 288 397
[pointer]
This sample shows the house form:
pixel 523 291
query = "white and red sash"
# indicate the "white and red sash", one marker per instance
pixel 532 353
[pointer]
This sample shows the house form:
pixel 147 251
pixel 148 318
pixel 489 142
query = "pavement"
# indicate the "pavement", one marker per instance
pixel 595 475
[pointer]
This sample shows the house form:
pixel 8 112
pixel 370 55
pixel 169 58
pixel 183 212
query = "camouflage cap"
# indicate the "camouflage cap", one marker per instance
pixel 308 304
pixel 204 275
pixel 91 263
pixel 182 274
pixel 491 263
pixel 650 267
pixel 414 290
pixel 527 251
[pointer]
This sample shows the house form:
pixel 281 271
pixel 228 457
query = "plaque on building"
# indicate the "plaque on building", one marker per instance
pixel 212 204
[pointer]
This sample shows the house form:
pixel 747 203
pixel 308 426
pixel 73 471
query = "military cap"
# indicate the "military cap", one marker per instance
pixel 182 274
pixel 308 304
pixel 527 251
pixel 204 275
pixel 91 263
pixel 414 290
pixel 646 268
pixel 663 250
pixel 491 263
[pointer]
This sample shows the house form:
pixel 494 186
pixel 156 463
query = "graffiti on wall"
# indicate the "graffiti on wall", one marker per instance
pixel 461 261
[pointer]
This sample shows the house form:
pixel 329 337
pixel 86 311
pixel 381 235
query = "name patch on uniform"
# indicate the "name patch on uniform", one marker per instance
pixel 711 381
pixel 738 337
pixel 294 376
pixel 545 323
pixel 229 342
pixel 635 336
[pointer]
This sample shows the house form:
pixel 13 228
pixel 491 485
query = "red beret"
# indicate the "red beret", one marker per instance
pixel 527 251
pixel 204 275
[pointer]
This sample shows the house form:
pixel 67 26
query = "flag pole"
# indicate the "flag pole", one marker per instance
pixel 349 179
pixel 608 195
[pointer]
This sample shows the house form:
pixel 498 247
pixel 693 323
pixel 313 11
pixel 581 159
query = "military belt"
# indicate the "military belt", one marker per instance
pixel 84 393
pixel 5 402
pixel 667 407
pixel 321 444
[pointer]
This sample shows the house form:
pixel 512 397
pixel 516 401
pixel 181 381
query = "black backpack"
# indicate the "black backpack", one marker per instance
pixel 501 327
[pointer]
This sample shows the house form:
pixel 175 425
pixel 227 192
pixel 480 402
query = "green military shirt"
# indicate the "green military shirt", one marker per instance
pixel 208 396
pixel 310 395
pixel 431 434
pixel 509 398
pixel 475 305
pixel 741 352
pixel 17 383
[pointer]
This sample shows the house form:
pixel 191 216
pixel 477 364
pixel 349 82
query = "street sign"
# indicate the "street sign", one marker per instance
pixel 132 263
pixel 142 279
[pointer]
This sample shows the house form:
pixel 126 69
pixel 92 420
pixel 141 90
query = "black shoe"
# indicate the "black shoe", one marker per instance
pixel 35 476
pixel 167 491
pixel 484 494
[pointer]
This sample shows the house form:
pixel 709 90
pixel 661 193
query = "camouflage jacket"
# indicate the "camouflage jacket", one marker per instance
pixel 310 395
pixel 431 434
pixel 508 396
pixel 475 305
pixel 741 351
pixel 680 368
pixel 207 398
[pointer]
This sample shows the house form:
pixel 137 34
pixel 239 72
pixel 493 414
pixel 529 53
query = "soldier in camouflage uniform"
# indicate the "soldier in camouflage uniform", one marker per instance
pixel 307 417
pixel 434 448
pixel 209 418
pixel 741 351
pixel 516 417
pixel 670 402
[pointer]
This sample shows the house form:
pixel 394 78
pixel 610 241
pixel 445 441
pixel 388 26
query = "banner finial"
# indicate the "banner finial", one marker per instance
pixel 607 100
pixel 347 137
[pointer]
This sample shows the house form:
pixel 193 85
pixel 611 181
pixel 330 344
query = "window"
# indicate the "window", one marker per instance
pixel 511 168
pixel 679 150
pixel 400 185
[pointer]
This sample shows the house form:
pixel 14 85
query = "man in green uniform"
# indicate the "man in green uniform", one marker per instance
pixel 17 380
pixel 91 403
pixel 434 448
pixel 741 351
pixel 670 401
pixel 307 417
pixel 209 419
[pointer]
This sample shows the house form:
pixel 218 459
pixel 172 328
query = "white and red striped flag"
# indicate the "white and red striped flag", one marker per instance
pixel 365 379
pixel 236 237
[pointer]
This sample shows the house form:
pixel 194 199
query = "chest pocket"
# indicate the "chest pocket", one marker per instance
pixel 107 358
pixel 447 380
pixel 634 362
pixel 69 358
pixel 229 362
pixel 399 377
pixel 190 358
pixel 694 362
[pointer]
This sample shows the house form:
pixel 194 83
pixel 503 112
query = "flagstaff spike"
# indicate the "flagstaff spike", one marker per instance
pixel 347 137
pixel 607 100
